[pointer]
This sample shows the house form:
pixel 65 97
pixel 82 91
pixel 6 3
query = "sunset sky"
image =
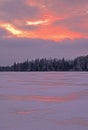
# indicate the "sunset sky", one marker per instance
pixel 32 29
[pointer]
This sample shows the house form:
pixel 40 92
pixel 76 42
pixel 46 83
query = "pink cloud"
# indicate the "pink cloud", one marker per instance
pixel 65 19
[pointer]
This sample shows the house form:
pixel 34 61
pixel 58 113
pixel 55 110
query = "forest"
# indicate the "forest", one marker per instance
pixel 53 64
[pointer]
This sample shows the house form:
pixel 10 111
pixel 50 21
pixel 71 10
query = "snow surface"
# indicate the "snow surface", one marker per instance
pixel 43 101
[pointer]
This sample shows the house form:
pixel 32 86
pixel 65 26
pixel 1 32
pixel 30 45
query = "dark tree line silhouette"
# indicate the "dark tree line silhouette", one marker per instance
pixel 78 64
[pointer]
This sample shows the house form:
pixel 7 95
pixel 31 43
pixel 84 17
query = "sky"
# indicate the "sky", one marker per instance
pixel 32 29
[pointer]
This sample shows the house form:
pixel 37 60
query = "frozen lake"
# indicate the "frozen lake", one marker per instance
pixel 43 101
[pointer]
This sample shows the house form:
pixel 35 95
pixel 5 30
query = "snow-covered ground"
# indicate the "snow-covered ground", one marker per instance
pixel 43 101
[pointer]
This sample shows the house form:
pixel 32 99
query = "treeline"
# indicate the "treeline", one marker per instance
pixel 78 64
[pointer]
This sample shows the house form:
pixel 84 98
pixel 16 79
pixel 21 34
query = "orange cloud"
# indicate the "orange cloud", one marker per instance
pixel 45 19
pixel 52 33
pixel 46 30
